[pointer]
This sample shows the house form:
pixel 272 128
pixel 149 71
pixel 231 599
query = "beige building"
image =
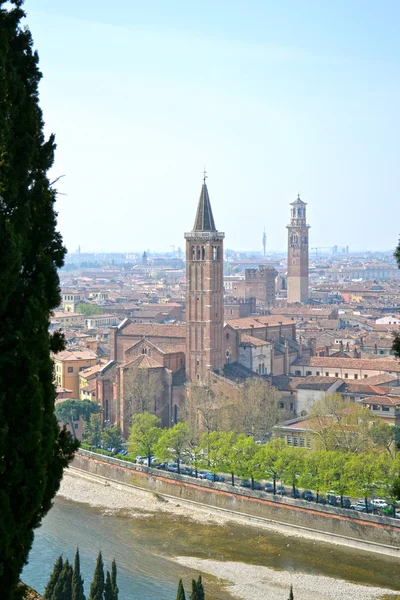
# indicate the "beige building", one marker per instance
pixel 65 318
pixel 70 301
pixel 67 366
pixel 345 368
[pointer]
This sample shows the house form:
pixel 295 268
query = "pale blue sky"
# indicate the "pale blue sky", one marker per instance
pixel 273 97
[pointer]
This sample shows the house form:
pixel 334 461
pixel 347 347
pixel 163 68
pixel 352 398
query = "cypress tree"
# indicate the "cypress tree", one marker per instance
pixel 63 587
pixel 114 585
pixel 193 595
pixel 77 581
pixel 97 585
pixel 181 591
pixel 291 597
pixel 33 450
pixel 108 590
pixel 200 589
pixel 58 566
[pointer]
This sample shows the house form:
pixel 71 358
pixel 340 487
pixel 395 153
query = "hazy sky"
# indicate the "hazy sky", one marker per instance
pixel 273 97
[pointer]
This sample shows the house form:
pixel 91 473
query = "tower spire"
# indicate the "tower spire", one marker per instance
pixel 204 217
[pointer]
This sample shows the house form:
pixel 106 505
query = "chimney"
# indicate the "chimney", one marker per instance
pixel 286 361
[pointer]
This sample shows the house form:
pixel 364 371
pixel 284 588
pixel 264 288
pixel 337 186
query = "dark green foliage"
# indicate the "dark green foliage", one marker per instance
pixel 108 591
pixel 193 595
pixel 58 566
pixel 181 591
pixel 77 581
pixel 114 585
pixel 33 451
pixel 291 597
pixel 200 589
pixel 63 587
pixel 97 585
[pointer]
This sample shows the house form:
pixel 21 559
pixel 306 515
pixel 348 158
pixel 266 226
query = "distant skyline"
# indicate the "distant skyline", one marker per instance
pixel 273 98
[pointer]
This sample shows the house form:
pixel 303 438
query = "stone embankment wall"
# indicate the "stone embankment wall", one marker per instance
pixel 380 533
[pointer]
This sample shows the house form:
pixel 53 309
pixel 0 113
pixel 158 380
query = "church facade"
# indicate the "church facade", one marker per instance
pixel 154 361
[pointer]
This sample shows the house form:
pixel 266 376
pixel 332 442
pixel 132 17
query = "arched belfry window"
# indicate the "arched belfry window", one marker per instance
pixel 198 253
pixel 193 253
pixel 215 252
pixel 203 253
pixel 294 240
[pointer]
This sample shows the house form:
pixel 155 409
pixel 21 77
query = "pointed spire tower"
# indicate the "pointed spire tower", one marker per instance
pixel 204 293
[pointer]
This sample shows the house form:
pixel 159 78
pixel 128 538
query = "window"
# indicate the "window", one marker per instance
pixel 309 443
pixel 318 373
pixel 352 398
pixel 227 336
pixel 355 376
pixel 197 376
pixel 70 369
pixel 308 373
pixel 203 253
pixel 386 408
pixel 302 444
pixel 336 374
pixel 297 373
pixel 289 440
pixel 144 350
pixel 365 376
pixel 375 407
pixel 231 314
pixel 76 425
pixel 291 406
pixel 295 441
pixel 346 375
pixel 198 362
pixel 215 252
pixel 281 405
pixel 326 374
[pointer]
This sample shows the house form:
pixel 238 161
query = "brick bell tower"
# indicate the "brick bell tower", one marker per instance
pixel 204 293
pixel 297 281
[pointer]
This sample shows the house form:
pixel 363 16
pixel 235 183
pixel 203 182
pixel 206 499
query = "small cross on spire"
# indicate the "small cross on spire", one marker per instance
pixel 204 174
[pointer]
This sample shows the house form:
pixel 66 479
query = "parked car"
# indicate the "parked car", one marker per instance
pixel 295 493
pixel 321 500
pixel 360 506
pixel 161 465
pixel 281 490
pixel 186 471
pixel 308 495
pixel 257 485
pixel 245 483
pixel 211 477
pixel 379 503
pixel 346 502
pixel 172 467
pixel 269 487
pixel 201 474
pixel 331 498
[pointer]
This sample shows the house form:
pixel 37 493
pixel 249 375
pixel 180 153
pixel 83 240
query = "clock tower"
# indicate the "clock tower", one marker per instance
pixel 297 280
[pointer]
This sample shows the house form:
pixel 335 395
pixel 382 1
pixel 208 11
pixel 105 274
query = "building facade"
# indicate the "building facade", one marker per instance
pixel 297 280
pixel 261 283
pixel 204 293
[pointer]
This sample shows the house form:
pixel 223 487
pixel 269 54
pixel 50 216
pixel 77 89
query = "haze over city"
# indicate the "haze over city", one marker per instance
pixel 274 99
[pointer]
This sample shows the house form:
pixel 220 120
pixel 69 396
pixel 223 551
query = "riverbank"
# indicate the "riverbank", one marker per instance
pixel 251 582
pixel 242 580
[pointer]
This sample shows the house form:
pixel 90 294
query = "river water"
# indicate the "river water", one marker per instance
pixel 144 549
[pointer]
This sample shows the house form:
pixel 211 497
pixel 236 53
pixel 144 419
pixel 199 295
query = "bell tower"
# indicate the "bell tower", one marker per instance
pixel 297 281
pixel 204 292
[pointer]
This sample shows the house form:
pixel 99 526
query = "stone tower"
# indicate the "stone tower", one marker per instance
pixel 260 283
pixel 204 293
pixel 297 281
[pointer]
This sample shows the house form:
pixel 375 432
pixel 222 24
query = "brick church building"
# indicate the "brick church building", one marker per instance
pixel 174 354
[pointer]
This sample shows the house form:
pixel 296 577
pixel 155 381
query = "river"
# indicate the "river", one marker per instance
pixel 144 549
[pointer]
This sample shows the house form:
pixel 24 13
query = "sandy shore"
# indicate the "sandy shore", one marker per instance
pixel 113 497
pixel 251 582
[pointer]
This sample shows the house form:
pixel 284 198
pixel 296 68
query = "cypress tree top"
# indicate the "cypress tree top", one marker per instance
pixel 181 591
pixel 97 585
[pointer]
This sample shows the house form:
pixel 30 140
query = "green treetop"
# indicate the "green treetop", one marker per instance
pixel 33 450
pixel 181 591
pixel 97 585
pixel 174 443
pixel 114 585
pixel 58 566
pixel 144 435
pixel 77 581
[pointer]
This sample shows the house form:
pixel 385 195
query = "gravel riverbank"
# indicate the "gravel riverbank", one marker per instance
pixel 251 582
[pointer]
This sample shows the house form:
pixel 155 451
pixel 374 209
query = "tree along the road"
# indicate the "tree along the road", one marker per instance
pixel 97 585
pixel 290 465
pixel 70 410
pixel 33 450
pixel 77 581
pixel 111 437
pixel 93 430
pixel 267 459
pixel 174 444
pixel 314 474
pixel 144 435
